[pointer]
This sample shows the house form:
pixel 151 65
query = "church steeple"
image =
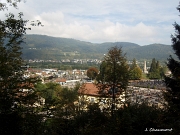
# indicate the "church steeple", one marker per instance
pixel 145 68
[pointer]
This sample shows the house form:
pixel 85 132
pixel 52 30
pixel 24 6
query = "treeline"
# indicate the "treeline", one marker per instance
pixel 156 71
pixel 63 66
pixel 60 113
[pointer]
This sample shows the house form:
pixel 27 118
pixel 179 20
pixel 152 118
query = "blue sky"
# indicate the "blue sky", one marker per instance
pixel 142 21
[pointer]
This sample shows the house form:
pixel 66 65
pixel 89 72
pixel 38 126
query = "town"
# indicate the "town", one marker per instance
pixel 89 67
pixel 149 91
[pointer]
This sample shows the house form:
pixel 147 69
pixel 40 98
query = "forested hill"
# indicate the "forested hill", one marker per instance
pixel 55 48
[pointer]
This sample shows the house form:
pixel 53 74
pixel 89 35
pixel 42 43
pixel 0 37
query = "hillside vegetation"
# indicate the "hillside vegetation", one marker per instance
pixel 56 48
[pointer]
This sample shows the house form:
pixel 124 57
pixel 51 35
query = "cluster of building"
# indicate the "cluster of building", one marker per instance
pixel 153 97
pixel 90 94
pixel 41 61
pixel 79 61
pixel 138 92
pixel 59 76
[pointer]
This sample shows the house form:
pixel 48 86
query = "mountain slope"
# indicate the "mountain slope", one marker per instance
pixel 46 47
pixel 64 44
pixel 158 51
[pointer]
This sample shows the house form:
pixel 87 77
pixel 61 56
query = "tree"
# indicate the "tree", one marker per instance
pixel 172 95
pixel 114 75
pixel 135 71
pixel 51 93
pixel 153 66
pixel 92 121
pixel 92 73
pixel 14 102
pixel 58 100
pixel 101 75
pixel 10 60
pixel 13 3
pixel 154 71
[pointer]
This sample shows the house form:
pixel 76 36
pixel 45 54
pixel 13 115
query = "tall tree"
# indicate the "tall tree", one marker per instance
pixel 154 71
pixel 135 71
pixel 114 74
pixel 102 73
pixel 11 72
pixel 172 95
pixel 14 101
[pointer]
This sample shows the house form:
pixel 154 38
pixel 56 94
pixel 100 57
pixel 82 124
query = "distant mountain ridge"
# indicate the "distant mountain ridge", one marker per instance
pixel 56 48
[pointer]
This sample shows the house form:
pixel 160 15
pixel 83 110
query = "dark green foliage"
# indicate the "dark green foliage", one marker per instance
pixel 12 81
pixel 61 126
pixel 113 77
pixel 154 71
pixel 153 67
pixel 172 95
pixel 92 122
pixel 114 70
pixel 134 119
pixel 58 100
pixel 49 92
pixel 32 124
pixel 173 82
pixel 15 104
pixel 135 71
pixel 102 74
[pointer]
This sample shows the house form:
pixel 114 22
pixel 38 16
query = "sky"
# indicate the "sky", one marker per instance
pixel 142 22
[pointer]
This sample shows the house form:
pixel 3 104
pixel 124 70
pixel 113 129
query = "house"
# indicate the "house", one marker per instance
pixel 89 94
pixel 67 83
pixel 61 81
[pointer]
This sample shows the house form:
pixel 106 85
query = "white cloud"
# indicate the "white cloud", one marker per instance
pixel 142 22
pixel 95 31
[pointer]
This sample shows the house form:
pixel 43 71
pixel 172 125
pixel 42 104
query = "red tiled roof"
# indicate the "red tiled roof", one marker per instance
pixel 89 89
pixel 92 90
pixel 60 80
